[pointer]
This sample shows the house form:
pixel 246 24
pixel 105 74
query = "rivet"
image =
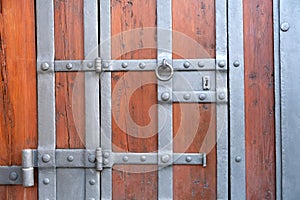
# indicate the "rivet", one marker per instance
pixel 124 65
pixel 90 65
pixel 92 182
pixel 221 64
pixel 143 158
pixel 106 155
pixel 165 96
pixel 105 161
pixel 186 96
pixel 70 158
pixel 46 181
pixel 69 66
pixel 125 158
pixel 188 159
pixel 238 159
pixel 92 199
pixel 202 97
pixel 165 158
pixel 13 176
pixel 106 65
pixel 142 65
pixel 186 64
pixel 46 158
pixel 200 64
pixel 92 158
pixel 222 96
pixel 45 66
pixel 285 26
pixel 236 63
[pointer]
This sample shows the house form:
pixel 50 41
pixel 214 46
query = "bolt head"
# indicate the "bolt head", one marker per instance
pixel 70 158
pixel 46 181
pixel 45 66
pixel 236 63
pixel 125 158
pixel 124 65
pixel 92 182
pixel 238 159
pixel 69 66
pixel 143 158
pixel 106 65
pixel 165 96
pixel 105 161
pixel 106 155
pixel 186 64
pixel 222 64
pixel 200 64
pixel 187 96
pixel 202 97
pixel 165 158
pixel 13 176
pixel 285 26
pixel 142 65
pixel 46 158
pixel 188 159
pixel 222 96
pixel 90 65
pixel 92 158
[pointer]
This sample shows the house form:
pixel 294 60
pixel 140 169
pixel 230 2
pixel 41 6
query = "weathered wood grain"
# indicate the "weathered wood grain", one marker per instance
pixel 259 99
pixel 18 113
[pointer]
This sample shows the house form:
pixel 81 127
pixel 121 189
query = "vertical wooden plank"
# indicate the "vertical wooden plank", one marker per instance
pixel 193 135
pixel 69 86
pixel 18 119
pixel 194 36
pixel 133 37
pixel 259 86
pixel 194 29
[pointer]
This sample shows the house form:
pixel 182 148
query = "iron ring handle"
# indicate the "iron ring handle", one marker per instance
pixel 164 66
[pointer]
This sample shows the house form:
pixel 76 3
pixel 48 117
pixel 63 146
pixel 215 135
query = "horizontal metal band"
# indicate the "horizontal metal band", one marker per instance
pixel 11 175
pixel 134 65
pixel 194 96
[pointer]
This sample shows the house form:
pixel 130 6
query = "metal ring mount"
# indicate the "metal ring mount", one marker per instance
pixel 165 71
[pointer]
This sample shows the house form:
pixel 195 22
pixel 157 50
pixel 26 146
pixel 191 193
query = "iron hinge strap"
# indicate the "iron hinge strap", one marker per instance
pixel 81 158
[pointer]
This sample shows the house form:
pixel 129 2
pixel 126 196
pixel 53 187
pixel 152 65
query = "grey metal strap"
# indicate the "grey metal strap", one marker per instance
pixel 106 121
pixel 236 87
pixel 165 130
pixel 46 97
pixel 221 107
pixel 92 97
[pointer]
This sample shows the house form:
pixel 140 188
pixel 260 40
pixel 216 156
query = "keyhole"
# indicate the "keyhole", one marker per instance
pixel 206 82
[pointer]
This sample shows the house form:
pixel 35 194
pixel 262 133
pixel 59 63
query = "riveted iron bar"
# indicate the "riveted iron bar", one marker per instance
pixel 236 107
pixel 195 97
pixel 74 65
pixel 46 94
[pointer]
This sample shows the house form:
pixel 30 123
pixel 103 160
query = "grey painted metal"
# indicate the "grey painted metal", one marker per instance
pixel 276 29
pixel 221 108
pixel 46 94
pixel 164 92
pixel 92 96
pixel 11 175
pixel 236 107
pixel 290 97
pixel 105 84
pixel 131 65
pixel 194 96
pixel 27 167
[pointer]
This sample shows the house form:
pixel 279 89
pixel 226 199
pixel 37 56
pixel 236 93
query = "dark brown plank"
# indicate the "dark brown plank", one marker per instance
pixel 194 29
pixel 133 31
pixel 18 119
pixel 193 135
pixel 259 86
pixel 69 86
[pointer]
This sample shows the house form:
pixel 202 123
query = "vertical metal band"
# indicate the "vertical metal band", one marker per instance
pixel 92 96
pixel 46 98
pixel 165 130
pixel 290 97
pixel 236 107
pixel 221 107
pixel 276 30
pixel 105 83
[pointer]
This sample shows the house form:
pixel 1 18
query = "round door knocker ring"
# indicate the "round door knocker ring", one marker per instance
pixel 165 71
